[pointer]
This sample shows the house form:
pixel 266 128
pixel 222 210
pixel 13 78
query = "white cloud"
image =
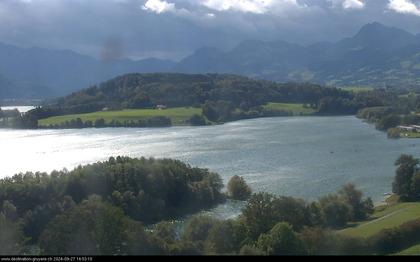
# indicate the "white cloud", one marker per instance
pixel 159 6
pixel 250 6
pixel 353 4
pixel 404 7
pixel 348 4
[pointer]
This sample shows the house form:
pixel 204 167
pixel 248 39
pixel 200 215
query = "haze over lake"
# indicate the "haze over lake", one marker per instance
pixel 303 156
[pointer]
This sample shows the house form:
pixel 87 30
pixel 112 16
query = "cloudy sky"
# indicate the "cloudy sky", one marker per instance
pixel 174 28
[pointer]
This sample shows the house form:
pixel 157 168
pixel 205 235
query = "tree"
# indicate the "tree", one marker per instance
pixel 197 120
pixel 415 186
pixel 10 211
pixel 197 230
pixel 210 111
pixel 238 188
pixel 388 122
pixel 91 228
pixel 99 123
pixel 281 240
pixel 248 250
pixel 360 208
pixel 318 241
pixel 165 235
pixel 336 212
pixel 258 214
pixel 402 184
pixel 225 237
pixel 11 238
pixel 394 133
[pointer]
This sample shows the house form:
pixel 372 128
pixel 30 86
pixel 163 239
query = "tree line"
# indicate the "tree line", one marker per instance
pixel 123 207
pixel 398 109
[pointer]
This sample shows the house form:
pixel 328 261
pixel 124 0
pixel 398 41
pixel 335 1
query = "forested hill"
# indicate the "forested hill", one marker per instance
pixel 220 97
pixel 227 92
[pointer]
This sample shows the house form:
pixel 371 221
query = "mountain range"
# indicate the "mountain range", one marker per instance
pixel 376 56
pixel 42 73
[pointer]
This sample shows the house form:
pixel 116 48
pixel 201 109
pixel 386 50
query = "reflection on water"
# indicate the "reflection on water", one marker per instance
pixel 303 157
pixel 22 109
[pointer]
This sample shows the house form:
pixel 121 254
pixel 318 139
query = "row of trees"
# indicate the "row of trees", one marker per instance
pixel 95 227
pixel 157 121
pixel 14 119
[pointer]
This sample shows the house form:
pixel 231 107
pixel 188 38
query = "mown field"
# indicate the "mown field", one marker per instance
pixel 410 135
pixel 296 109
pixel 358 89
pixel 412 251
pixel 384 217
pixel 179 116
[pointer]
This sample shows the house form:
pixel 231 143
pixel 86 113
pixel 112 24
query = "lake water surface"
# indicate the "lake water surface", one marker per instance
pixel 303 156
pixel 22 109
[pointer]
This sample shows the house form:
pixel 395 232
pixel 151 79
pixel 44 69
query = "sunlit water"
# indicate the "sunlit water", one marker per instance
pixel 303 157
pixel 22 109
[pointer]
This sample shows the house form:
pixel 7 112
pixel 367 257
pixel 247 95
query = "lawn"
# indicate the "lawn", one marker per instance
pixel 384 217
pixel 179 116
pixel 358 89
pixel 297 109
pixel 410 135
pixel 412 251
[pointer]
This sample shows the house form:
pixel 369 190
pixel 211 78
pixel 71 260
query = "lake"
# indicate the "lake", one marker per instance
pixel 22 109
pixel 296 156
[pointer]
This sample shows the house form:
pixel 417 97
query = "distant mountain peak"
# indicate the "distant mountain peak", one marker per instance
pixel 378 36
pixel 375 28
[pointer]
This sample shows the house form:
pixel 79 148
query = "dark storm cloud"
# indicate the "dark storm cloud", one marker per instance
pixel 174 28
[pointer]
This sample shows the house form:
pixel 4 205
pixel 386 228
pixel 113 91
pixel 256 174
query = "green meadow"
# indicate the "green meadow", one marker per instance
pixel 384 217
pixel 179 116
pixel 412 251
pixel 296 109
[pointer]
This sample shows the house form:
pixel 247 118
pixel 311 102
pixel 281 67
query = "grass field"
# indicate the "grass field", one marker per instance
pixel 358 89
pixel 410 134
pixel 384 217
pixel 179 115
pixel 297 109
pixel 412 251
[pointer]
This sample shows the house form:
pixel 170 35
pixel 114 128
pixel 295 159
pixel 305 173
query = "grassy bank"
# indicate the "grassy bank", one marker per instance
pixel 294 108
pixel 409 134
pixel 178 116
pixel 358 89
pixel 412 251
pixel 387 216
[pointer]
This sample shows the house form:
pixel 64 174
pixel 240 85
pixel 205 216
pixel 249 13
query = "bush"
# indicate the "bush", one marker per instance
pixel 11 238
pixel 91 228
pixel 197 120
pixel 394 133
pixel 238 188
pixel 388 122
pixel 392 240
pixel 281 240
pixel 335 211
